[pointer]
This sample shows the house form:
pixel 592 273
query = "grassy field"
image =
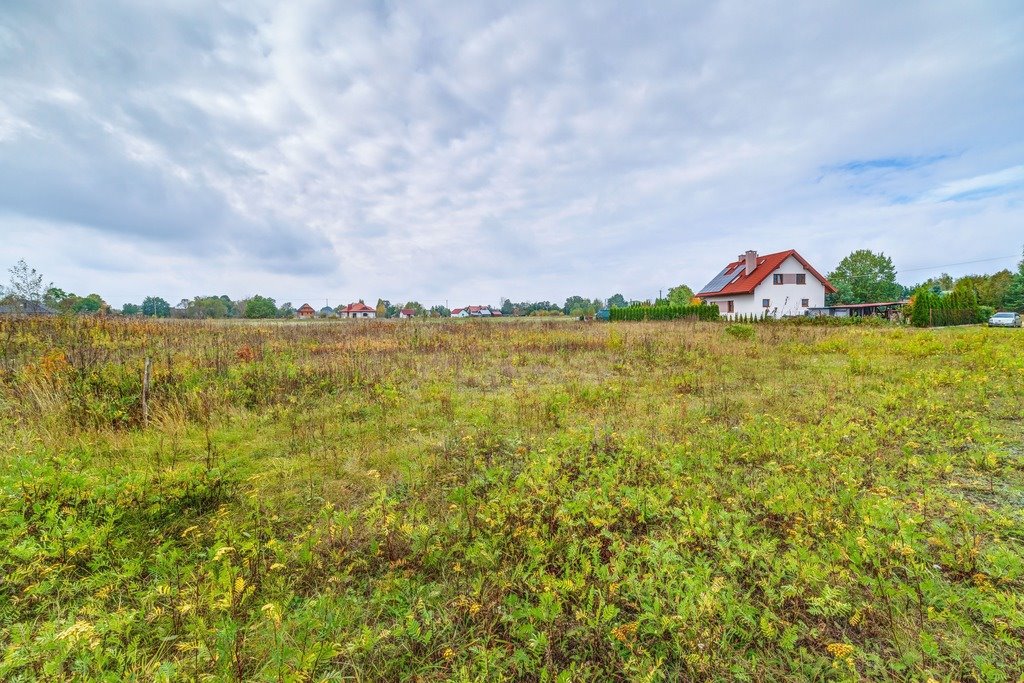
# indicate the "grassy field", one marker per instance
pixel 477 501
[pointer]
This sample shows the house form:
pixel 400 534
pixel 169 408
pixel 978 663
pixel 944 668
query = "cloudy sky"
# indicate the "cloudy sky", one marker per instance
pixel 474 150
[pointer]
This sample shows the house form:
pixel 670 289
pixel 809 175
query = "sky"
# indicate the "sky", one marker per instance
pixel 329 151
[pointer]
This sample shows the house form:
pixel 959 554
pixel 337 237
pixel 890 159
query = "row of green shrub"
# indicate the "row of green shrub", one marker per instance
pixel 752 317
pixel 959 307
pixel 665 312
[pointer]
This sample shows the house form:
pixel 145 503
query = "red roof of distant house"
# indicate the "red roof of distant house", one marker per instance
pixel 408 311
pixel 497 313
pixel 306 308
pixel 456 311
pixel 358 308
pixel 766 265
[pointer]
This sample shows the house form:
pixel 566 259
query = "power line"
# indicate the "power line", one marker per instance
pixel 961 263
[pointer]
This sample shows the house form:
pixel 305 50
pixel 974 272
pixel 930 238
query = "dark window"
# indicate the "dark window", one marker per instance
pixel 729 306
pixel 766 302
pixel 806 303
pixel 777 279
pixel 801 279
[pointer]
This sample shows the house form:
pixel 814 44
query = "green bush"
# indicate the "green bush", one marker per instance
pixel 740 331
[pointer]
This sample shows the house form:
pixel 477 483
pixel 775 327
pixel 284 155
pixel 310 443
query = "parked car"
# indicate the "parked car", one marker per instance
pixel 1005 319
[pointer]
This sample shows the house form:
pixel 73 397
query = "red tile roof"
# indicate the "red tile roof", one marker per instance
pixel 306 308
pixel 765 266
pixel 408 311
pixel 358 308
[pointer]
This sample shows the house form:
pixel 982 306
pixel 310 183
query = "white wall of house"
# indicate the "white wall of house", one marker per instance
pixel 785 299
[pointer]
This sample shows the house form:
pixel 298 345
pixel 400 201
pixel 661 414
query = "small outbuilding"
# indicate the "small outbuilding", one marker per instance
pixel 890 310
pixel 18 306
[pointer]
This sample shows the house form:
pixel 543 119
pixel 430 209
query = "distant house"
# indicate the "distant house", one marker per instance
pixel 305 311
pixel 358 310
pixel 779 284
pixel 17 306
pixel 407 313
pixel 474 312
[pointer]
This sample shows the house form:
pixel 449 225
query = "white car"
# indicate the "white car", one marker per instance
pixel 1005 319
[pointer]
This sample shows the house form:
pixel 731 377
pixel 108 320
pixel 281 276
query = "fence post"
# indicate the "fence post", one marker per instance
pixel 147 373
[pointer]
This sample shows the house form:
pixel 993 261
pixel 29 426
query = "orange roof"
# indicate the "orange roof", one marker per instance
pixel 765 266
pixel 306 308
pixel 358 308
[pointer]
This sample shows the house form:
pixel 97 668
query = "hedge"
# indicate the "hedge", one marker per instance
pixel 959 307
pixel 663 312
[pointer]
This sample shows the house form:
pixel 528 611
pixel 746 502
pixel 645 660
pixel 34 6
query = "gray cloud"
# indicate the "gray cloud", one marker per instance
pixel 435 150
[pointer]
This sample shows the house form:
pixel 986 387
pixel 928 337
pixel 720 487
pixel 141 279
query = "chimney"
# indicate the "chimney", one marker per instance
pixel 751 261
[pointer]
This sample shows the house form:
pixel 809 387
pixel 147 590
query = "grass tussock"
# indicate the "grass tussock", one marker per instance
pixel 489 501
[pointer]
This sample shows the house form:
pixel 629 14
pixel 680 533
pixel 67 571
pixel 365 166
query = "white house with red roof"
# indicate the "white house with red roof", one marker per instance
pixel 472 312
pixel 357 310
pixel 778 284
pixel 407 313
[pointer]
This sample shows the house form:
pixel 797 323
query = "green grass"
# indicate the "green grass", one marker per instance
pixel 549 501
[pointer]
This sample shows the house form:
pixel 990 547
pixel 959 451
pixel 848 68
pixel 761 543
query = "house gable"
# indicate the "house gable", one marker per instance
pixel 733 280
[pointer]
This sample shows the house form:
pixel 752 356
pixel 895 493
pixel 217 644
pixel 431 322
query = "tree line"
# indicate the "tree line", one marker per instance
pixel 861 277
pixel 867 277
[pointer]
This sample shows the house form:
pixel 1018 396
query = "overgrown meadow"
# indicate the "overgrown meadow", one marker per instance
pixel 481 501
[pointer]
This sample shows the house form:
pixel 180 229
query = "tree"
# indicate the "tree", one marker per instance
pixel 864 277
pixel 26 283
pixel 54 297
pixel 93 303
pixel 131 309
pixel 260 307
pixel 206 307
pixel 155 307
pixel 59 300
pixel 1014 299
pixel 286 310
pixel 680 296
pixel 990 289
pixel 382 308
pixel 576 303
pixel 938 285
pixel 506 307
pixel 440 311
pixel 616 301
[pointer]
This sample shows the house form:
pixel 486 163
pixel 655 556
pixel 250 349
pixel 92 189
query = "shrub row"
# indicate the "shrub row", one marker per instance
pixel 959 307
pixel 664 312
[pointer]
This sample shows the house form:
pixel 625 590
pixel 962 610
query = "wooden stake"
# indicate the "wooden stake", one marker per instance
pixel 147 374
